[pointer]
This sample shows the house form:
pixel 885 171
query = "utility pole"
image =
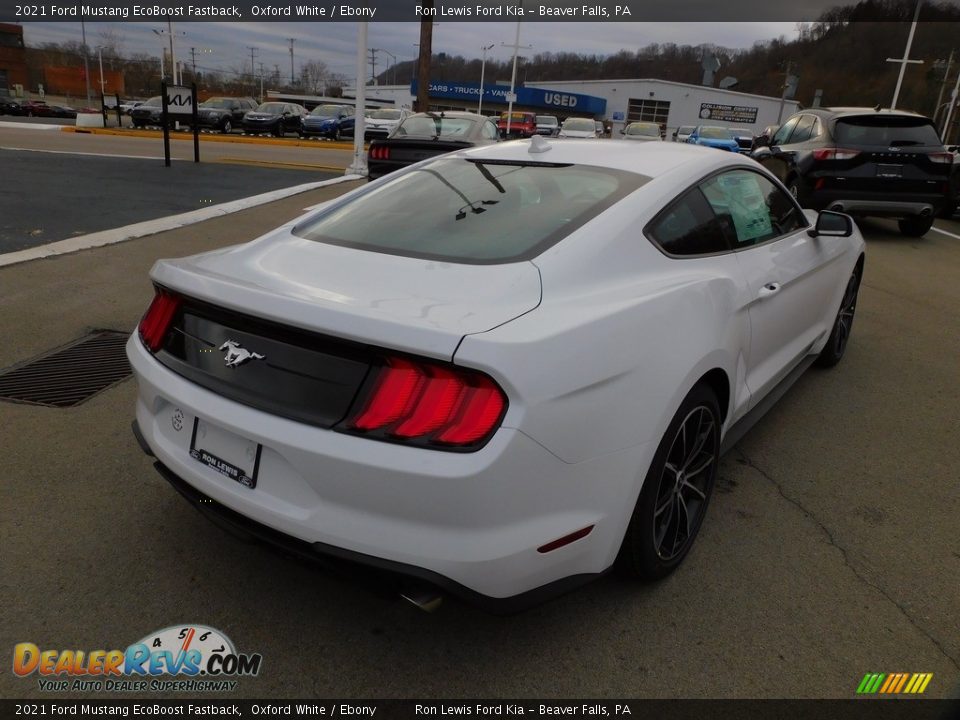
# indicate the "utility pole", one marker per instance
pixel 786 85
pixel 86 63
pixel 359 164
pixel 943 85
pixel 423 63
pixel 261 82
pixel 954 97
pixel 291 41
pixel 373 65
pixel 173 58
pixel 253 69
pixel 906 57
pixel 513 76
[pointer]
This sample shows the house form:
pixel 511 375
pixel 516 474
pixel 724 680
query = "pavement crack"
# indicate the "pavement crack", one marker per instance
pixel 743 458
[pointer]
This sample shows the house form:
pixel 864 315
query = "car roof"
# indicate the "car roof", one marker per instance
pixel 650 159
pixel 827 112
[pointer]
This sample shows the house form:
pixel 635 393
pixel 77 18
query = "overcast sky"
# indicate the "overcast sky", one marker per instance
pixel 335 43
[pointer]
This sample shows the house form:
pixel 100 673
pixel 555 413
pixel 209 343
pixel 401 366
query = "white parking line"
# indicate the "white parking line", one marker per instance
pixel 953 235
pixel 71 152
pixel 151 227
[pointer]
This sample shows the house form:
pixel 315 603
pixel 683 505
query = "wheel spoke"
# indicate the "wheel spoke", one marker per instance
pixel 663 505
pixel 703 465
pixel 690 486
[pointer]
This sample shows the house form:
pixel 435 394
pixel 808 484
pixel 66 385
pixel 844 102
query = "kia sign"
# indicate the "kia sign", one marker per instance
pixel 179 100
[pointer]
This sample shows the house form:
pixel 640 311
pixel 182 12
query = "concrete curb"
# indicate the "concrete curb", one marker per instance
pixel 151 227
pixel 31 126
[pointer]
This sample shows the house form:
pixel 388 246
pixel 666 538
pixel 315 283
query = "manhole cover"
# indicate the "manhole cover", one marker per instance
pixel 67 377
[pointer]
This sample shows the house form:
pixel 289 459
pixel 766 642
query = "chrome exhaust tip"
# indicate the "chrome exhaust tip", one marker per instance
pixel 426 599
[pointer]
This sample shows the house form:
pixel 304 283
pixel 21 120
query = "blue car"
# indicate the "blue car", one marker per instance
pixel 329 121
pixel 714 136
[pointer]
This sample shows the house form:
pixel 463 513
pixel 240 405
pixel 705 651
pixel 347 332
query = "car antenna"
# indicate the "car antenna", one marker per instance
pixel 539 144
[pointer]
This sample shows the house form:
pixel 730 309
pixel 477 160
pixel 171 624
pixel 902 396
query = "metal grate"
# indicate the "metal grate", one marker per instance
pixel 71 375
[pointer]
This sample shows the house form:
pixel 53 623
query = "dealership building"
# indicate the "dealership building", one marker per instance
pixel 618 102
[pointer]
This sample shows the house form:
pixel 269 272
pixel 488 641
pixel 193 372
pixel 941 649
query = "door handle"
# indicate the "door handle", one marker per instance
pixel 769 289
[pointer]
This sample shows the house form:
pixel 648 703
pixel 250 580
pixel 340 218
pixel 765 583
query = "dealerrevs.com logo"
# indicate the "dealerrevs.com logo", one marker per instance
pixel 200 658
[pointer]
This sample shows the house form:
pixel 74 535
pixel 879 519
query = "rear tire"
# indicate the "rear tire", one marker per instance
pixel 915 226
pixel 227 127
pixel 676 490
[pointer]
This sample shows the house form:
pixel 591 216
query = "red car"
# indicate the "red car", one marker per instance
pixel 37 108
pixel 522 124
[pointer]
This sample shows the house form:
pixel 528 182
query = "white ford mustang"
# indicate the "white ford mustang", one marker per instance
pixel 500 372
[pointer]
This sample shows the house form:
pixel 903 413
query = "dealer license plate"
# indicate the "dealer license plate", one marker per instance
pixel 231 455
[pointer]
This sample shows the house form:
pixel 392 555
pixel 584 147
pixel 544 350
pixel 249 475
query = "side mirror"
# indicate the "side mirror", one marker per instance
pixel 832 224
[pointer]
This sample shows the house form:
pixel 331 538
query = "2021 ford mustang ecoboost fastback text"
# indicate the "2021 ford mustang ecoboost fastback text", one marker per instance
pixel 501 371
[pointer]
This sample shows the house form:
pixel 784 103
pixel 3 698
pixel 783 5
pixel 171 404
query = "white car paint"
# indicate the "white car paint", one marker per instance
pixel 595 341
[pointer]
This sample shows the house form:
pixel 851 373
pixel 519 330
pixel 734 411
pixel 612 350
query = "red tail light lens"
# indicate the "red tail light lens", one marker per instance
pixel 379 152
pixel 834 153
pixel 941 157
pixel 156 321
pixel 427 404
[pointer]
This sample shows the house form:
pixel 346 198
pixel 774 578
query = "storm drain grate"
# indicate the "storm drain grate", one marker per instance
pixel 69 376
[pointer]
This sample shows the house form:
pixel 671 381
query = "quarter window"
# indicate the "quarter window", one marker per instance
pixel 803 130
pixel 689 227
pixel 750 208
pixel 784 132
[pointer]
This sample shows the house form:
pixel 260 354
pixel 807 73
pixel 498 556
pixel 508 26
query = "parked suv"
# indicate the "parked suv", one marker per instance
pixel 548 125
pixel 868 162
pixel 224 113
pixel 522 124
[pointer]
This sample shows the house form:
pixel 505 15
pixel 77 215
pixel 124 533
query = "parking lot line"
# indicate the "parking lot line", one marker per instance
pixel 71 152
pixel 944 232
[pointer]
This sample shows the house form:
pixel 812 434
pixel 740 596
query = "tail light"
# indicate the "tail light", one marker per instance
pixel 156 322
pixel 834 153
pixel 941 157
pixel 426 404
pixel 379 152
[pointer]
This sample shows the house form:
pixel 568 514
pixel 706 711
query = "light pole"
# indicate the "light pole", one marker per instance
pixel 513 76
pixel 173 58
pixel 483 67
pixel 906 57
pixel 392 57
pixel 100 58
pixel 86 64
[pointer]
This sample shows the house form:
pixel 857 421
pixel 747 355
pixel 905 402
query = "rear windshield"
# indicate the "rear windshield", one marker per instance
pixel 884 130
pixel 523 117
pixel 474 212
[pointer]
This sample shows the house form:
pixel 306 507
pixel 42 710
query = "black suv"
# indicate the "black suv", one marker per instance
pixel 224 113
pixel 863 161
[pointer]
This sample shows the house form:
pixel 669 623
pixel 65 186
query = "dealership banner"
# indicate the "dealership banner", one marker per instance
pixel 742 114
pixel 558 100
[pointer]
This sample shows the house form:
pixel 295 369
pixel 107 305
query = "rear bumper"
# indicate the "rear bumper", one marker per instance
pixel 900 208
pixel 469 523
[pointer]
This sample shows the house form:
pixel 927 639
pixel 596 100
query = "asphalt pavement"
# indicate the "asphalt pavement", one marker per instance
pixel 830 549
pixel 76 194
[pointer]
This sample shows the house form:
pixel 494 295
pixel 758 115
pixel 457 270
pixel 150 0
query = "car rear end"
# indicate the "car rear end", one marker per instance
pixel 880 164
pixel 521 124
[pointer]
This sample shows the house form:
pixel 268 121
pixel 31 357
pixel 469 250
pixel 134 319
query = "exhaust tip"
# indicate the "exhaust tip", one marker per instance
pixel 926 212
pixel 426 599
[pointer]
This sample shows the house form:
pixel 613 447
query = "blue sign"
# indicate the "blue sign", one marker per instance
pixel 562 101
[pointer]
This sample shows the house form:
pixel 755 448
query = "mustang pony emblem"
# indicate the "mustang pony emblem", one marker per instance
pixel 236 355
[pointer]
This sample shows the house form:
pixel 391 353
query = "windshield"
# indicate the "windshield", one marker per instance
pixel 216 103
pixel 385 115
pixel 326 110
pixel 476 212
pixel 152 102
pixel 273 108
pixel 645 129
pixel 432 126
pixel 715 133
pixel 685 130
pixel 579 124
pixel 886 130
pixel 546 120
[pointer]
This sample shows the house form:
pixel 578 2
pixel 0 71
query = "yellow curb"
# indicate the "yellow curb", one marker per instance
pixel 276 163
pixel 210 137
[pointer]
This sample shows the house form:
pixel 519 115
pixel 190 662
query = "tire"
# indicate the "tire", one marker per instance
pixel 796 189
pixel 227 127
pixel 692 443
pixel 278 130
pixel 336 134
pixel 836 345
pixel 915 226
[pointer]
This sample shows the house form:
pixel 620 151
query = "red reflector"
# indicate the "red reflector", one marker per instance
pixel 438 398
pixel 156 321
pixel 565 540
pixel 480 407
pixel 392 394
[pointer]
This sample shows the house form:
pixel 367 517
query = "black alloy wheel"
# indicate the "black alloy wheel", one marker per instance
pixel 836 345
pixel 676 490
pixel 227 127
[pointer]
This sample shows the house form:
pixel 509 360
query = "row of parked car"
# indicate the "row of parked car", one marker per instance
pixel 860 161
pixel 226 114
pixel 38 108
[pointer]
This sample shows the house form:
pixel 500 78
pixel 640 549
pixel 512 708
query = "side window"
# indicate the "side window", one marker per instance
pixel 490 130
pixel 784 132
pixel 804 129
pixel 750 208
pixel 688 227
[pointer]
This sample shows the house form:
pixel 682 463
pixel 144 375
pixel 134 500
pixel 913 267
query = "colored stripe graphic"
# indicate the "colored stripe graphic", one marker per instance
pixel 894 683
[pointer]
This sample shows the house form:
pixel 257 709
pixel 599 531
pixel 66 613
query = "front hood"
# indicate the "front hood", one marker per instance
pixel 319 121
pixel 381 123
pixel 408 304
pixel 260 116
